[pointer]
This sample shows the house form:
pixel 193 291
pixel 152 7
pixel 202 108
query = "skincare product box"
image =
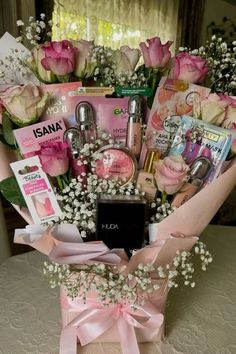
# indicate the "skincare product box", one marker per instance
pixel 194 138
pixel 173 99
pixel 36 189
pixel 30 138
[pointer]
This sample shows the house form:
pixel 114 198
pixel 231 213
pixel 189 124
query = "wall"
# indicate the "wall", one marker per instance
pixel 215 10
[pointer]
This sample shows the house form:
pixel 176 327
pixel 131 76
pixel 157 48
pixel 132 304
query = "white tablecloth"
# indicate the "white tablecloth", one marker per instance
pixel 199 321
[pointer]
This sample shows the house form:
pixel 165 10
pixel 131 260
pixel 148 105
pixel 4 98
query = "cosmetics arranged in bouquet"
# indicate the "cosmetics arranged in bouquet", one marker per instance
pixel 182 156
pixel 110 105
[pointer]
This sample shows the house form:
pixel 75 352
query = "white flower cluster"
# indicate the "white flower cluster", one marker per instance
pixel 35 31
pixel 13 68
pixel 78 199
pixel 102 58
pixel 113 287
pixel 105 71
pixel 159 211
pixel 221 59
pixel 131 79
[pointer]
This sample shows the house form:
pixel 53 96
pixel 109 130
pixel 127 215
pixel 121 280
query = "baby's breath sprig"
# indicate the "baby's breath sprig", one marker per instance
pixel 113 287
pixel 105 71
pixel 159 211
pixel 78 199
pixel 221 59
pixel 36 31
pixel 13 69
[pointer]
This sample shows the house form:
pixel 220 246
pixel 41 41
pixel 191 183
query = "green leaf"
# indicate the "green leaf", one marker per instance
pixel 11 191
pixel 7 129
pixel 2 140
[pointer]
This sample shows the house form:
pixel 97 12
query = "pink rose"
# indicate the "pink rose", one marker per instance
pixel 59 57
pixel 230 117
pixel 213 109
pixel 156 54
pixel 170 173
pixel 133 55
pixel 37 67
pixel 25 104
pixel 54 158
pixel 233 129
pixel 83 65
pixel 125 59
pixel 189 68
pixel 1 109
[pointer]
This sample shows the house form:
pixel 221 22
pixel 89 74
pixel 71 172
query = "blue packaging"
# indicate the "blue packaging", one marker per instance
pixel 194 138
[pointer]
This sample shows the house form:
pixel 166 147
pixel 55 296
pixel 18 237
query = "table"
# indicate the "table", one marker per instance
pixel 199 321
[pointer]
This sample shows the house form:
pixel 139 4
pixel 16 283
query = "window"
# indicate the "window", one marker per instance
pixel 115 22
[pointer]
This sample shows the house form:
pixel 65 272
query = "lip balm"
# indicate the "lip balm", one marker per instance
pixel 134 125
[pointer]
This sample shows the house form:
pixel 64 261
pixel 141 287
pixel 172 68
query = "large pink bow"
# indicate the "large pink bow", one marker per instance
pixel 94 319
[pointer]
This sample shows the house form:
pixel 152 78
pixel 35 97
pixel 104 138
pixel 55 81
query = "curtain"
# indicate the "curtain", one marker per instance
pixel 115 22
pixel 190 22
pixel 13 10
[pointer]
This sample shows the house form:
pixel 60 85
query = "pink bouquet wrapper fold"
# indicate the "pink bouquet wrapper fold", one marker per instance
pixel 119 323
pixel 194 215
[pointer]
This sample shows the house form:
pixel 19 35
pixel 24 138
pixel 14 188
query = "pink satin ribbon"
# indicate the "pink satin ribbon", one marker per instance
pixel 94 319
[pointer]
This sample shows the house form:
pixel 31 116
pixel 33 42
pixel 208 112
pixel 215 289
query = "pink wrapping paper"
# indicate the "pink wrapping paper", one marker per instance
pixel 116 323
pixel 63 245
pixel 146 324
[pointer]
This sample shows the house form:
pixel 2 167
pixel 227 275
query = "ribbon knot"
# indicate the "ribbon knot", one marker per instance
pixel 94 319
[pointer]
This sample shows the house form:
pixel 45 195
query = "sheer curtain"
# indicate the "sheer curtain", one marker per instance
pixel 115 22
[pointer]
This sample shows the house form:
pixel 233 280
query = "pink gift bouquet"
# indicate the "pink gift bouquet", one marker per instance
pixel 119 216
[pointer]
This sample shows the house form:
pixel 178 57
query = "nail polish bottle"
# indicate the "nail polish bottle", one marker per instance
pixel 134 125
pixel 86 123
pixel 146 181
pixel 199 171
pixel 73 138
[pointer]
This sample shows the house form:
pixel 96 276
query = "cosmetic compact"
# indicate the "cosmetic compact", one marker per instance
pixel 120 221
pixel 116 162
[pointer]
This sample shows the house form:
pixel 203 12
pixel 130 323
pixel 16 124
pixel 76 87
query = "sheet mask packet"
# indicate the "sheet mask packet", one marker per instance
pixel 60 102
pixel 32 137
pixel 36 189
pixel 195 138
pixel 111 111
pixel 173 98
